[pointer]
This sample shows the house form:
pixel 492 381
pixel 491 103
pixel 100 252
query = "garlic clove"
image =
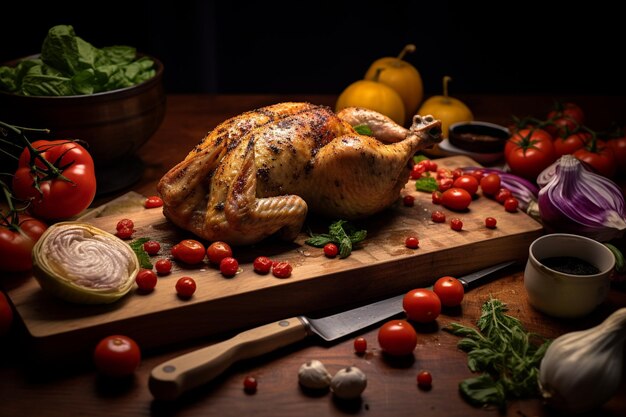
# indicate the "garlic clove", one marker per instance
pixel 348 383
pixel 313 375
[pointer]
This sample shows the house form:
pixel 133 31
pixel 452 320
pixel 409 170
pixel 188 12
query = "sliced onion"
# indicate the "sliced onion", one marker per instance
pixel 573 199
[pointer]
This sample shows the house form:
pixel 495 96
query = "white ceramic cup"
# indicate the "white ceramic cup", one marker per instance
pixel 565 295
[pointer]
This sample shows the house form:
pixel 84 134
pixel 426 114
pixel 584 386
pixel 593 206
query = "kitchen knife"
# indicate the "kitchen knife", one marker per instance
pixel 175 376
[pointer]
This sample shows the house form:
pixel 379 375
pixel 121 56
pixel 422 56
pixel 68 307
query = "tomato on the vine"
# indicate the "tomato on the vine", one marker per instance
pixel 528 152
pixel 619 152
pixel 117 356
pixel 456 199
pixel 64 183
pixel 449 290
pixel 397 338
pixel 565 118
pixel 598 156
pixel 189 251
pixel 17 238
pixel 571 143
pixel 421 305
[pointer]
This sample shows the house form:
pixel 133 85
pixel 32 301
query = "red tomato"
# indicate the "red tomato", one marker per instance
pixel 125 224
pixel 511 204
pixel 438 216
pixel 467 182
pixel 189 251
pixel 599 157
pixel 117 356
pixel 152 247
pixel 478 173
pixel 490 184
pixel 282 269
pixel 421 305
pixel 6 315
pixel 185 287
pixel 528 152
pixel 146 280
pixel 619 152
pixel 408 200
pixel 412 242
pixel 490 222
pixel 67 180
pixel 331 250
pixel 436 197
pixel 444 184
pixel 503 194
pixel 449 290
pixel 262 265
pixel 163 266
pixel 218 251
pixel 565 118
pixel 417 171
pixel 17 241
pixel 456 224
pixel 250 384
pixel 424 380
pixel 570 143
pixel 456 199
pixel 397 338
pixel 153 202
pixel 360 345
pixel 229 266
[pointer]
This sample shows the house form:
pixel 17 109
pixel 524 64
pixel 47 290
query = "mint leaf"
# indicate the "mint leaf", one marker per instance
pixel 341 233
pixel 319 240
pixel 137 247
pixel 426 183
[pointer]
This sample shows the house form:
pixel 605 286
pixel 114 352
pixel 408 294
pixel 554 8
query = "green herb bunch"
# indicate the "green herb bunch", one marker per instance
pixel 69 65
pixel 341 233
pixel 507 355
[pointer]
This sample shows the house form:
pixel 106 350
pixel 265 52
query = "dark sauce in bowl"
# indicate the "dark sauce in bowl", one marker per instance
pixel 570 265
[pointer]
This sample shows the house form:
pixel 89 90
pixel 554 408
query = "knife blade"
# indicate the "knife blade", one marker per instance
pixel 173 377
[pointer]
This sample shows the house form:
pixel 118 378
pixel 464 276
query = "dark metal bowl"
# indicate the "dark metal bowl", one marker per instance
pixel 114 124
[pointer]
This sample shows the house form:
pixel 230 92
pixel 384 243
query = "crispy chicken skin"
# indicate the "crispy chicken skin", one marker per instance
pixel 259 173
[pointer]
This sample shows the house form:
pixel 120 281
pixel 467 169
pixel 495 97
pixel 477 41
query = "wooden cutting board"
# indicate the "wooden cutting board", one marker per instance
pixel 382 266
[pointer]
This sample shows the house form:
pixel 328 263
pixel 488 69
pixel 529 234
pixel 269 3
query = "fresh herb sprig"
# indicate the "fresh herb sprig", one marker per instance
pixel 507 355
pixel 137 247
pixel 341 233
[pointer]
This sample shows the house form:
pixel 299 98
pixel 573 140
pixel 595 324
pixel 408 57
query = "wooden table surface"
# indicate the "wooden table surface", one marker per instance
pixel 29 388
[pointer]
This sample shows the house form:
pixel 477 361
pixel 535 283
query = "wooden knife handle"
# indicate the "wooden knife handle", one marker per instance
pixel 171 378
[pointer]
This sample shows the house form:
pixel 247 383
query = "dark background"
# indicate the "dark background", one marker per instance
pixel 507 47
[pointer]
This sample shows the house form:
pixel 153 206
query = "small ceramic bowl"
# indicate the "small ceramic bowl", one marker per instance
pixel 114 124
pixel 567 294
pixel 479 137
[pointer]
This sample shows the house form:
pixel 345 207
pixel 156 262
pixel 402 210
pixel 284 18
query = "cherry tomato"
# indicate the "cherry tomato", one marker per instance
pixel 397 338
pixel 511 204
pixel 424 380
pixel 528 152
pixel 360 345
pixel 570 143
pixel 6 315
pixel 438 216
pixel 444 184
pixel 417 171
pixel 456 224
pixel 262 265
pixel 412 242
pixel 282 269
pixel 250 384
pixel 153 202
pixel 490 184
pixel 436 197
pixel 503 194
pixel 408 200
pixel 229 266
pixel 478 173
pixel 17 241
pixel 125 233
pixel 163 266
pixel 421 305
pixel 467 182
pixel 331 250
pixel 185 287
pixel 152 247
pixel 146 280
pixel 449 290
pixel 430 165
pixel 60 192
pixel 217 251
pixel 457 172
pixel 490 222
pixel 125 224
pixel 456 199
pixel 189 251
pixel 444 173
pixel 598 156
pixel 117 356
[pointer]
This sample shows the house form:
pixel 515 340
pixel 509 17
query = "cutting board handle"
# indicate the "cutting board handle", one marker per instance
pixel 171 378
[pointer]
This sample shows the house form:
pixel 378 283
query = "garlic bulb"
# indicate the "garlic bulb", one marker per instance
pixel 313 375
pixel 582 370
pixel 348 383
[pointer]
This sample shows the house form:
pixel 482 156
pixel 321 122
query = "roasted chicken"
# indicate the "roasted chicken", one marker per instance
pixel 259 173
